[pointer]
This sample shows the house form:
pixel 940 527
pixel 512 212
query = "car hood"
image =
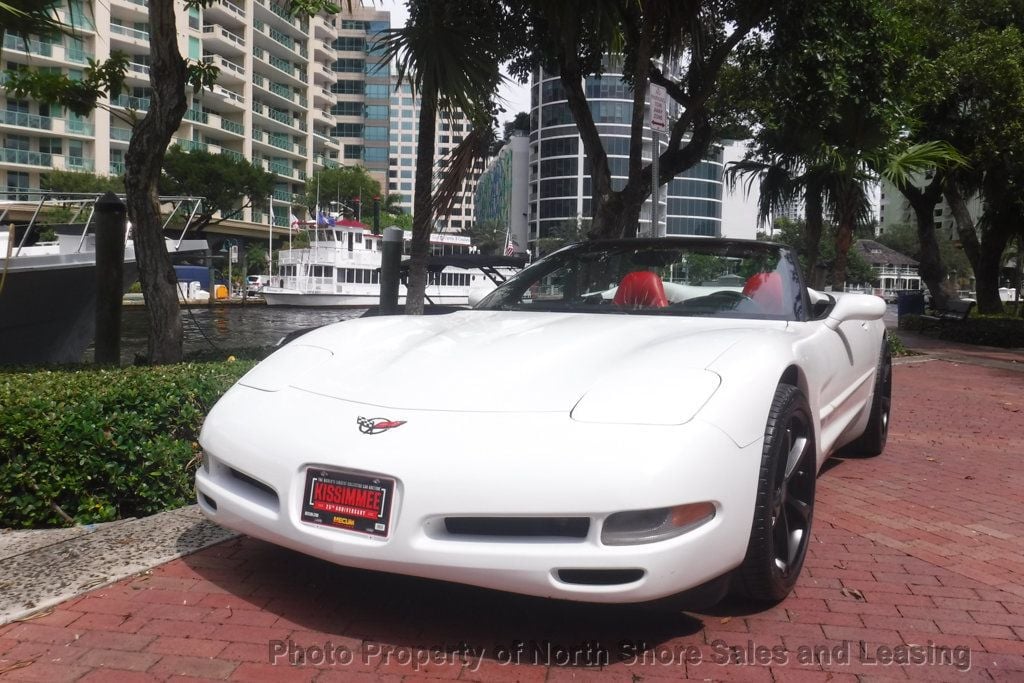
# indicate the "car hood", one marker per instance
pixel 503 361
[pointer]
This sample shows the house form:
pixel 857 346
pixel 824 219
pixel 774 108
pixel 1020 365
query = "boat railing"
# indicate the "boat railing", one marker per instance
pixel 84 204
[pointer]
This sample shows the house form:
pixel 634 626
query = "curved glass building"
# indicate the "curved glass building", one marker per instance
pixel 560 185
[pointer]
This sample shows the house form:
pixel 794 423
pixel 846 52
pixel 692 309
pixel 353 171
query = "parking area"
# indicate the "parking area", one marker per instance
pixel 916 570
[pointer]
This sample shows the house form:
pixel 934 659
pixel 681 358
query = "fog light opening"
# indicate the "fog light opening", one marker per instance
pixel 650 526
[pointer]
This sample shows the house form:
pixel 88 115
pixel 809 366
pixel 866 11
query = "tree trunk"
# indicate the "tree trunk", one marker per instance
pixel 813 224
pixel 848 198
pixel 143 163
pixel 929 266
pixel 986 275
pixel 423 209
pixel 983 254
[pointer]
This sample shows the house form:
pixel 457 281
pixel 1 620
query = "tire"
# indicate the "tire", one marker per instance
pixel 784 507
pixel 872 441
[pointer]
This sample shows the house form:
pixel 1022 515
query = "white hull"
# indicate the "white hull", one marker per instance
pixel 277 296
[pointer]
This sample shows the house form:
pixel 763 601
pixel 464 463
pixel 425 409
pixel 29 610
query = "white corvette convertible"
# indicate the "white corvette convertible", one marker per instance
pixel 623 421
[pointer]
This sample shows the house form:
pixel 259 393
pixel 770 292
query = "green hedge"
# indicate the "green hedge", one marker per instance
pixel 1004 332
pixel 102 444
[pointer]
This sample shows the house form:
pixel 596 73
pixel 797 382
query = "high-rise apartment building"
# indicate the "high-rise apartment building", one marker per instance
pixel 560 184
pixel 293 95
pixel 449 131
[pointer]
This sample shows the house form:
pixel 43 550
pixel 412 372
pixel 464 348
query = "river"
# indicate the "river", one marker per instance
pixel 226 328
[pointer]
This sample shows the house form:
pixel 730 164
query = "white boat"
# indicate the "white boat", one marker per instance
pixel 48 288
pixel 48 298
pixel 341 268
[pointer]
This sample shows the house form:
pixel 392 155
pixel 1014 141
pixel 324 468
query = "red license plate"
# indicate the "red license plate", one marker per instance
pixel 341 500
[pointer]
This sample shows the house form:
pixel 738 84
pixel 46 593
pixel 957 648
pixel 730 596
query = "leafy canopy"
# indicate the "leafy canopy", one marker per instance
pixel 227 183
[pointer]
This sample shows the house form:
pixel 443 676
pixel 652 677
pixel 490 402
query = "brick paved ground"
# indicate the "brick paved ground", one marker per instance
pixel 923 546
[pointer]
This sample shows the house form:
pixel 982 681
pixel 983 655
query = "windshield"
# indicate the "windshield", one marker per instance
pixel 684 277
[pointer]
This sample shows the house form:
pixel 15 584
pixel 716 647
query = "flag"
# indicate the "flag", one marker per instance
pixel 321 219
pixel 294 220
pixel 510 246
pixel 331 220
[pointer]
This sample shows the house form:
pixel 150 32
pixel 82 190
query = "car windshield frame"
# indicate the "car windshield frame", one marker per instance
pixel 732 295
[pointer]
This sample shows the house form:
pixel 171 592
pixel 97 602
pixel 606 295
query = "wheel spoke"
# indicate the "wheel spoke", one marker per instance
pixel 794 455
pixel 801 512
pixel 780 539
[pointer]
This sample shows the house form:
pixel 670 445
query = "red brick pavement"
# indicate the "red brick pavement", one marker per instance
pixel 923 546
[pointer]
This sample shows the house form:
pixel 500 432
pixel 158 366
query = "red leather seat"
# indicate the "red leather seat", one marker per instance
pixel 766 290
pixel 641 289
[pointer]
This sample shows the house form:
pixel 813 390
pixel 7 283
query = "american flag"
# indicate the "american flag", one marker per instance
pixel 510 247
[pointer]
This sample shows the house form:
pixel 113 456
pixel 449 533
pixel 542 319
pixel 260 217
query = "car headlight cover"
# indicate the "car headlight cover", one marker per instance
pixel 650 526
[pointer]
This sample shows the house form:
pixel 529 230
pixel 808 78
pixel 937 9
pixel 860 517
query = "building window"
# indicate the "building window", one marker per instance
pixel 376 111
pixel 376 133
pixel 347 109
pixel 353 151
pixel 17 180
pixel 347 87
pixel 349 43
pixel 350 66
pixel 377 91
pixel 375 154
pixel 347 130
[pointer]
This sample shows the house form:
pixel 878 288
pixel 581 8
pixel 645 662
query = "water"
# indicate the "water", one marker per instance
pixel 227 327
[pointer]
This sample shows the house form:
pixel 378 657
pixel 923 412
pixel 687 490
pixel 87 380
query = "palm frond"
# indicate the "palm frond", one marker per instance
pixel 899 168
pixel 471 153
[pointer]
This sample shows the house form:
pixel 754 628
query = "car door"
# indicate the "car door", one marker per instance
pixel 840 367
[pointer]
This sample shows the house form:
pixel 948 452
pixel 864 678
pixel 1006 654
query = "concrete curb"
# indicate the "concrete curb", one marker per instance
pixel 41 573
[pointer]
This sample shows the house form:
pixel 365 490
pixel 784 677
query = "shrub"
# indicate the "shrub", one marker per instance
pixel 896 346
pixel 102 444
pixel 1004 332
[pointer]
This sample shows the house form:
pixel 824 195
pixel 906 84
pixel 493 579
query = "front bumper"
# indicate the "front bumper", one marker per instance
pixel 258 446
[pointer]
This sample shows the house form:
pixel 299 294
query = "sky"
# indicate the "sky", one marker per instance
pixel 512 96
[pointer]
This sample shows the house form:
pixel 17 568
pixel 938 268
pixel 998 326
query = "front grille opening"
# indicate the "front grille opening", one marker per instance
pixel 210 502
pixel 256 484
pixel 519 527
pixel 600 577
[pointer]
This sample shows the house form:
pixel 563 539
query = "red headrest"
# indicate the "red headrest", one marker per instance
pixel 766 290
pixel 641 288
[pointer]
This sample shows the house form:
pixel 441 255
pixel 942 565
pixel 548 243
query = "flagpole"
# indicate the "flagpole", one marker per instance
pixel 270 239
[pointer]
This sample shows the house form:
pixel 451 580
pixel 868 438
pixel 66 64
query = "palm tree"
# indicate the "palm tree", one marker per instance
pixel 447 53
pixel 829 179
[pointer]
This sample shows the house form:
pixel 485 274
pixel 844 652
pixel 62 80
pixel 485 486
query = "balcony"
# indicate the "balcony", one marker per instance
pixel 30 45
pixel 25 157
pixel 197 115
pixel 128 32
pixel 190 145
pixel 229 95
pixel 226 9
pixel 128 102
pixel 116 168
pixel 25 120
pixel 119 134
pixel 226 39
pixel 45 160
pixel 141 70
pixel 78 126
pixel 229 70
pixel 232 127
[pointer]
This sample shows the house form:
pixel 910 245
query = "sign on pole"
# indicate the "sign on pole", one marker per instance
pixel 659 108
pixel 234 253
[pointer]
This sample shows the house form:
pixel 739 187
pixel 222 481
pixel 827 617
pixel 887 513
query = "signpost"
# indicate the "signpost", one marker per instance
pixel 659 124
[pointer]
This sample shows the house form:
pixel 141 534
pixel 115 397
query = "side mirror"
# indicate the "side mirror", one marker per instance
pixel 855 307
